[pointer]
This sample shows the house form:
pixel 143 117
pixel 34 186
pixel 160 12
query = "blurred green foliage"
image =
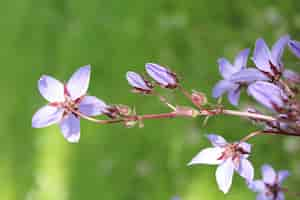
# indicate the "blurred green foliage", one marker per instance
pixel 56 37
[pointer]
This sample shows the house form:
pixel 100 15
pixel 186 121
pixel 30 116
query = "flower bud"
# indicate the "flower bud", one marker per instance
pixel 199 99
pixel 268 94
pixel 138 82
pixel 163 76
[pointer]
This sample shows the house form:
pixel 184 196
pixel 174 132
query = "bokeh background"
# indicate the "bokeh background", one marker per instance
pixel 56 37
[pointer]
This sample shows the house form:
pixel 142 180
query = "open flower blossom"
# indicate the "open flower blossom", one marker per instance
pixel 269 61
pixel 235 75
pixel 63 100
pixel 162 75
pixel 268 94
pixel 138 82
pixel 269 188
pixel 230 157
pixel 295 47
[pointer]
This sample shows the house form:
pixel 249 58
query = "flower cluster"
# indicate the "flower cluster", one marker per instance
pixel 269 83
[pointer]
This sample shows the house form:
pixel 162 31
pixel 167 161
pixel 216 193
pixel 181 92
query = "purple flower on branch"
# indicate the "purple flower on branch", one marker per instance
pixel 269 188
pixel 65 98
pixel 269 61
pixel 162 75
pixel 268 94
pixel 235 76
pixel 230 157
pixel 295 47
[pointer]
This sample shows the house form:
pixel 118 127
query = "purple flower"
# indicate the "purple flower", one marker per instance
pixel 269 188
pixel 235 76
pixel 295 47
pixel 269 61
pixel 229 157
pixel 162 75
pixel 63 99
pixel 138 82
pixel 268 94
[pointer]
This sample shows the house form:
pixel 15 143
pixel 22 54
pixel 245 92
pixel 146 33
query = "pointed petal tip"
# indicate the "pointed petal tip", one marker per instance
pixel 73 140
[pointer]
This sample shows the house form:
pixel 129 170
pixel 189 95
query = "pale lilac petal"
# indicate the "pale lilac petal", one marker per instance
pixel 277 51
pixel 161 75
pixel 70 128
pixel 245 146
pixel 268 94
pixel 295 47
pixel 216 140
pixel 226 69
pixel 291 76
pixel 224 175
pixel 221 87
pixel 263 196
pixel 79 82
pixel 282 175
pixel 210 156
pixel 268 174
pixel 234 95
pixel 137 81
pixel 51 89
pixel 241 59
pixel 248 75
pixel 280 196
pixel 92 106
pixel 262 56
pixel 47 116
pixel 246 170
pixel 257 186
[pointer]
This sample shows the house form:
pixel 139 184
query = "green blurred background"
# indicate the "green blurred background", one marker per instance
pixel 56 37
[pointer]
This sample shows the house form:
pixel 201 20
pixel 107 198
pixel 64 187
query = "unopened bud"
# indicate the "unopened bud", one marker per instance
pixel 139 83
pixel 198 98
pixel 268 94
pixel 162 75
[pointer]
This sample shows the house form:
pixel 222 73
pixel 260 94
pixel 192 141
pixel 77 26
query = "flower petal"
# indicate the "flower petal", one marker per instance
pixel 277 51
pixel 268 94
pixel 46 116
pixel 224 175
pixel 216 140
pixel 257 186
pixel 225 67
pixel 282 175
pixel 246 170
pixel 248 76
pixel 234 95
pixel 241 59
pixel 268 174
pixel 245 146
pixel 262 56
pixel 137 81
pixel 295 47
pixel 210 156
pixel 70 128
pixel 221 87
pixel 79 82
pixel 51 89
pixel 263 196
pixel 280 196
pixel 161 75
pixel 291 76
pixel 92 106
